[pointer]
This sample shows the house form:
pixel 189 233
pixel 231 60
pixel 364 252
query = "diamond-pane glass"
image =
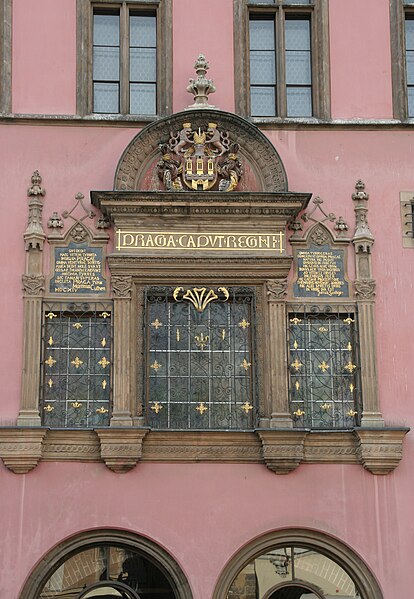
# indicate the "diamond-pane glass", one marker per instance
pixel 262 34
pixel 299 101
pixel 143 31
pixel 106 63
pixel 409 34
pixel 106 97
pixel 106 30
pixel 263 101
pixel 143 98
pixel 297 34
pixel 298 68
pixel 262 67
pixel 143 64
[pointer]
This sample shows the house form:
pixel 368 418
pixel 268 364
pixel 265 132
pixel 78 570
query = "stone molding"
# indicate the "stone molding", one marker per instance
pixel 121 286
pixel 33 285
pixel 378 450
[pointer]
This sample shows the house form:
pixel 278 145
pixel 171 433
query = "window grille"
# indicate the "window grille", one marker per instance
pixel 76 365
pixel 324 369
pixel 200 358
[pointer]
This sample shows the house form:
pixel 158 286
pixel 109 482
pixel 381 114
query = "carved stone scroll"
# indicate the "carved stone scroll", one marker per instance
pixel 121 449
pixel 282 451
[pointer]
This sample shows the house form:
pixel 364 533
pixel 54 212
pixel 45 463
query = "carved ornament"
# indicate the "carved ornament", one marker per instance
pixel 319 236
pixel 121 286
pixel 121 448
pixel 283 451
pixel 276 289
pixel 21 449
pixel 34 235
pixel 201 87
pixel 380 451
pixel 33 284
pixel 365 289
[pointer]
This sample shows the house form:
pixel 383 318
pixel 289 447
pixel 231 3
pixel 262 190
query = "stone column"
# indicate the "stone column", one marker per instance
pixel 121 411
pixel 363 241
pixel 278 384
pixel 33 289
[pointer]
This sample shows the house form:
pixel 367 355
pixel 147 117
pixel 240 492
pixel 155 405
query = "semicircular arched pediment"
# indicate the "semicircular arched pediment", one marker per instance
pixel 263 169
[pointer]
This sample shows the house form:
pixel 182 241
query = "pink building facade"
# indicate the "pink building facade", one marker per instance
pixel 303 487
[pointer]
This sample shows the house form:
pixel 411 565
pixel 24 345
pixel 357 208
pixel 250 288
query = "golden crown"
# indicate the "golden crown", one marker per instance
pixel 187 125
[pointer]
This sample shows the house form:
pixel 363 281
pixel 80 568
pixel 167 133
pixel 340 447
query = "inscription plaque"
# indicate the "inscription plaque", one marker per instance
pixel 78 269
pixel 321 273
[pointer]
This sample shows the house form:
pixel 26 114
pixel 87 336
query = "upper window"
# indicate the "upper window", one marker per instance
pixel 402 49
pixel 128 48
pixel 285 65
pixel 200 358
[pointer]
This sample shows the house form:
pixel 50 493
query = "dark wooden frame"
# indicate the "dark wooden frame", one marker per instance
pixel 84 88
pixel 5 55
pixel 318 13
pixel 398 12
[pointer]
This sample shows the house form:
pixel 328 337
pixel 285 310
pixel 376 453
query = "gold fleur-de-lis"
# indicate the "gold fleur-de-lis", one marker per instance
pixel 323 329
pixel 351 388
pixel 201 341
pixel 326 407
pixel 297 385
pixel 296 364
pixel 323 366
pixel 245 364
pixel 295 320
pixel 103 342
pixel 155 366
pixel 348 320
pixel 104 362
pixel 156 324
pixel 295 344
pixel 50 383
pixel 102 410
pixel 50 361
pixel 351 413
pixel 104 384
pixel 246 407
pixel 244 324
pixel 350 367
pixel 77 325
pixel 49 408
pixel 77 362
pixel 76 405
pixel 157 407
pixel 50 342
pixel 50 315
pixel 105 315
pixel 201 408
pixel 349 346
pixel 223 334
pixel 298 413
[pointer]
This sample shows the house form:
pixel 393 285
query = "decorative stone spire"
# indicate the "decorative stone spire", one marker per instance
pixel 363 238
pixel 201 87
pixel 34 235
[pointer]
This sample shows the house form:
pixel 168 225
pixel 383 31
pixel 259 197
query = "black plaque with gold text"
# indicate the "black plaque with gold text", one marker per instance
pixel 78 270
pixel 320 273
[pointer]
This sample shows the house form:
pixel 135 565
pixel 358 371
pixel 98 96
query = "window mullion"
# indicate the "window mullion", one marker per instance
pixel 280 63
pixel 124 58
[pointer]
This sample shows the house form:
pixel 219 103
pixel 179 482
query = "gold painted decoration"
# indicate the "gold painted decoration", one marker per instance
pixel 348 320
pixel 50 361
pixel 77 362
pixel 156 407
pixel 76 405
pixel 102 410
pixel 199 296
pixel 49 408
pixel 155 366
pixel 349 347
pixel 201 408
pixel 323 366
pixel 351 388
pixel 177 334
pixel 103 342
pixel 350 367
pixel 105 315
pixel 50 383
pixel 246 407
pixel 104 362
pixel 201 340
pixel 50 342
pixel 298 413
pixel 295 344
pixel 326 407
pixel 50 315
pixel 223 334
pixel 297 385
pixel 77 326
pixel 156 324
pixel 295 320
pixel 351 413
pixel 245 364
pixel 296 364
pixel 323 330
pixel 244 324
pixel 104 384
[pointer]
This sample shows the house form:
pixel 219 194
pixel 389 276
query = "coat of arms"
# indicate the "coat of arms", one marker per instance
pixel 200 160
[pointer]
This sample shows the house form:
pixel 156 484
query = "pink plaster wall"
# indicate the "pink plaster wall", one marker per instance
pixel 203 27
pixel 44 57
pixel 360 59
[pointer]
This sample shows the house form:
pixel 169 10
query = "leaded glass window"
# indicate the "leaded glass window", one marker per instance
pixel 76 365
pixel 124 61
pixel 200 358
pixel 323 366
pixel 409 61
pixel 281 61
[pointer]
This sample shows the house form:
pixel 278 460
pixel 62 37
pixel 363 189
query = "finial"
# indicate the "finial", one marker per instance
pixel 201 87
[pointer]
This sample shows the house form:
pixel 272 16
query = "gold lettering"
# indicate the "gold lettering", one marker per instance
pixel 191 242
pixel 160 240
pixel 129 237
pixel 171 241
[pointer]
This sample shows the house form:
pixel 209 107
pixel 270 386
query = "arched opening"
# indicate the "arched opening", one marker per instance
pixel 296 564
pixel 107 565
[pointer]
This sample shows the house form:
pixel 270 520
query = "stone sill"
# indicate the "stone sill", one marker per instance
pixel 379 450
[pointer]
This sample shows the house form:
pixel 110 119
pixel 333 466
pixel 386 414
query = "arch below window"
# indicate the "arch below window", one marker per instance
pixel 107 564
pixel 279 565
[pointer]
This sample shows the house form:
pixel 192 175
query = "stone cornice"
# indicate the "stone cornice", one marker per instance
pixel 378 450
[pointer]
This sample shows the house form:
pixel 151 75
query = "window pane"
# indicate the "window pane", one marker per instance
pixel 106 97
pixel 142 98
pixel 143 31
pixel 409 34
pixel 410 67
pixel 262 67
pixel 297 34
pixel 143 64
pixel 297 1
pixel 261 1
pixel 298 68
pixel 263 101
pixel 299 101
pixel 106 64
pixel 410 94
pixel 262 34
pixel 106 30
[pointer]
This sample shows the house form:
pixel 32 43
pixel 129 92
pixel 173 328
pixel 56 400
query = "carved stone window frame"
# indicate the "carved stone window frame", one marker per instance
pixel 84 94
pixel 399 9
pixel 5 55
pixel 318 13
pixel 407 218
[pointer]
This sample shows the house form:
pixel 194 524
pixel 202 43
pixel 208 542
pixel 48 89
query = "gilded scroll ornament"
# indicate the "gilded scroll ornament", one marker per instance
pixel 200 297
